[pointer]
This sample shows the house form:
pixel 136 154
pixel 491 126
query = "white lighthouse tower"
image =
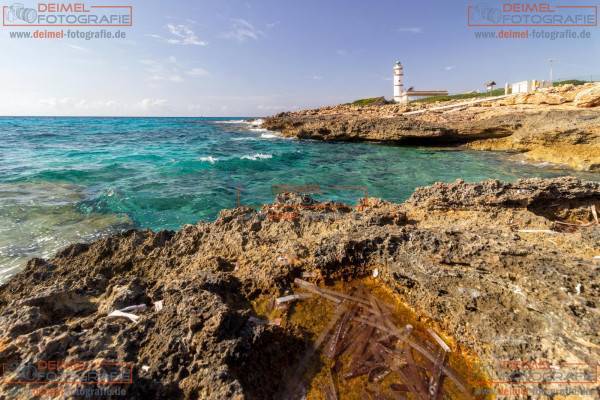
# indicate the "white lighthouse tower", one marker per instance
pixel 399 95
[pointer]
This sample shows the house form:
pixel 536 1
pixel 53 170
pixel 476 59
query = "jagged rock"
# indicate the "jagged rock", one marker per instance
pixel 589 97
pixel 446 243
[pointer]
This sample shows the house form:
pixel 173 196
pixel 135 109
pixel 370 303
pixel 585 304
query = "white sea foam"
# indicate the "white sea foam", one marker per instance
pixel 268 136
pixel 257 156
pixel 209 159
pixel 256 122
pixel 238 139
pixel 233 121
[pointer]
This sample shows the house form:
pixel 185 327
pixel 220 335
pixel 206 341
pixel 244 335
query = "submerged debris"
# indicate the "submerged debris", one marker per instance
pixel 292 297
pixel 363 341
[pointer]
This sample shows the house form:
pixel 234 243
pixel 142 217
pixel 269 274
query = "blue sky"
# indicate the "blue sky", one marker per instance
pixel 253 58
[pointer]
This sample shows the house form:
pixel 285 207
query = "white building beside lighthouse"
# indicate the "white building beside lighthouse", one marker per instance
pixel 398 82
pixel 402 96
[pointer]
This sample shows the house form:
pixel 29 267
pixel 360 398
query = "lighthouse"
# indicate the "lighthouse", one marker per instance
pixel 399 83
pixel 404 96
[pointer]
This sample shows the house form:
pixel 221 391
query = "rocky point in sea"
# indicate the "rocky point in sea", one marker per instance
pixel 559 125
pixel 509 271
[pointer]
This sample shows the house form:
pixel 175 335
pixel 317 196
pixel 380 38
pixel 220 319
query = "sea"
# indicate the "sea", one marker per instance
pixel 67 180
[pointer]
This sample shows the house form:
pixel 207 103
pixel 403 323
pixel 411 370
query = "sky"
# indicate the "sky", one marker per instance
pixel 256 58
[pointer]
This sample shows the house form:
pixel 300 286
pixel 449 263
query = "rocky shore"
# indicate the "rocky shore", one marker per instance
pixel 509 271
pixel 560 125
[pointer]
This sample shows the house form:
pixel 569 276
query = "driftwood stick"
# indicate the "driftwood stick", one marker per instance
pixel 345 296
pixel 537 231
pixel 361 344
pixel 439 340
pixel 332 389
pixel 437 376
pixel 292 297
pixel 575 225
pixel 311 287
pixel 339 335
pixel 413 374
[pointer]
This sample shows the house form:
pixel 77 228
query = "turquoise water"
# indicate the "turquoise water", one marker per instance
pixel 64 180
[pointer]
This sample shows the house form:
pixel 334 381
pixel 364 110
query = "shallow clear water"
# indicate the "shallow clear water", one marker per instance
pixel 64 180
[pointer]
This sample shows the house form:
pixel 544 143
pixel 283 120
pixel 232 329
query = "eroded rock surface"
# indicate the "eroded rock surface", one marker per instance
pixel 455 253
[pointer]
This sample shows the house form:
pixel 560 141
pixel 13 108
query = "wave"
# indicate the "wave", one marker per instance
pixel 237 139
pixel 233 121
pixel 209 159
pixel 268 136
pixel 257 156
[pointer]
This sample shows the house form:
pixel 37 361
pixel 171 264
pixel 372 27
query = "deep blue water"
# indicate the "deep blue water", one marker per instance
pixel 71 179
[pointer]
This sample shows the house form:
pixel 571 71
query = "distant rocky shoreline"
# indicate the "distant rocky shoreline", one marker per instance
pixel 509 271
pixel 560 125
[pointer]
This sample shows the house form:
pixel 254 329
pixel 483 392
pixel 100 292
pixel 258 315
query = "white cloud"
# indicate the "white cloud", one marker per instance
pixel 341 52
pixel 317 77
pixel 242 30
pixel 449 67
pixel 181 35
pixel 148 103
pixel 197 72
pixel 170 70
pixel 184 35
pixel 414 29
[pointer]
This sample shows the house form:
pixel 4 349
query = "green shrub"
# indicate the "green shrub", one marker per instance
pixel 460 96
pixel 372 101
pixel 575 82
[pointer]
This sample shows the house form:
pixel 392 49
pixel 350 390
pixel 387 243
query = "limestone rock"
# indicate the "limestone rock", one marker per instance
pixel 589 97
pixel 434 250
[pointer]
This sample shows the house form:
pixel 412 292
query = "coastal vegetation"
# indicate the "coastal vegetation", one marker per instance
pixel 460 96
pixel 371 101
